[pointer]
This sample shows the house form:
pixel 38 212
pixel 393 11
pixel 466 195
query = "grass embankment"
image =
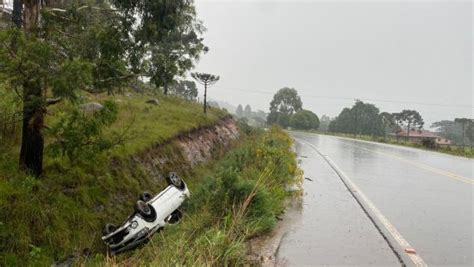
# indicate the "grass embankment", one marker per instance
pixel 467 152
pixel 47 219
pixel 62 213
pixel 233 199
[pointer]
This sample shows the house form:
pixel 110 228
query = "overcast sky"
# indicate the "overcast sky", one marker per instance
pixel 396 55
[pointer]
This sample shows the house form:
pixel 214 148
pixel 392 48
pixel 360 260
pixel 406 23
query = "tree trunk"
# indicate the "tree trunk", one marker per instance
pixel 205 98
pixel 408 132
pixel 32 142
pixel 17 13
pixel 31 14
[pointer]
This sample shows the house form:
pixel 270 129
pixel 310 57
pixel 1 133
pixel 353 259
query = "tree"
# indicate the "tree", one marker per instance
pixel 304 120
pixel 324 123
pixel 166 37
pixel 366 119
pixel 470 132
pixel 285 102
pixel 361 118
pixel 17 13
pixel 260 122
pixel 239 111
pixel 343 123
pixel 283 120
pixel 409 118
pixel 388 122
pixel 58 57
pixel 207 80
pixel 248 111
pixel 260 114
pixel 186 89
pixel 449 129
pixel 90 47
pixel 213 104
pixel 463 122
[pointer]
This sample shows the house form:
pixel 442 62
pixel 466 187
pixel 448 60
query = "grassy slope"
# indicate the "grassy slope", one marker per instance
pixel 456 151
pixel 150 124
pixel 63 212
pixel 233 199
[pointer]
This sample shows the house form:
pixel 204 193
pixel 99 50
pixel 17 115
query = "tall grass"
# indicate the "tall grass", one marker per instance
pixel 232 200
pixel 62 213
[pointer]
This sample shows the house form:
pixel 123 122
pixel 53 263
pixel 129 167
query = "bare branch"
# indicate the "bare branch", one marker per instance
pixel 53 101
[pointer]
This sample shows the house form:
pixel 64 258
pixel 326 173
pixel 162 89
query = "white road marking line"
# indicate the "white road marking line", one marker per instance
pixel 417 260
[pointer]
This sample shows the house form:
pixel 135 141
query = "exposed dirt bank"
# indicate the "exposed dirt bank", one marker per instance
pixel 187 149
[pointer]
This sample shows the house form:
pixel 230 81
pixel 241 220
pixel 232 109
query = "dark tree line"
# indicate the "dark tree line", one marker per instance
pixel 460 130
pixel 361 119
pixel 366 119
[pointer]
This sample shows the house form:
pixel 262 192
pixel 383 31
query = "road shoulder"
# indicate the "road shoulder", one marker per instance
pixel 332 228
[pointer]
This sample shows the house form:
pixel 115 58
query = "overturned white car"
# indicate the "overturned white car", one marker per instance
pixel 150 215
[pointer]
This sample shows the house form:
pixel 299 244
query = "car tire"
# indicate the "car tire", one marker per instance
pixel 175 180
pixel 145 196
pixel 175 217
pixel 108 229
pixel 145 210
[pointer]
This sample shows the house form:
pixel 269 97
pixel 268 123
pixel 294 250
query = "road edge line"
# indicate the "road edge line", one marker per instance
pixel 375 216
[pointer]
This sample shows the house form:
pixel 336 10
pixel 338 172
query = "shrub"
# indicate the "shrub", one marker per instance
pixel 304 120
pixel 78 134
pixel 239 198
pixel 10 117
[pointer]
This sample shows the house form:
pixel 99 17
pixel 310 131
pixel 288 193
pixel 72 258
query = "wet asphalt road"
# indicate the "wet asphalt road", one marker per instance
pixel 426 196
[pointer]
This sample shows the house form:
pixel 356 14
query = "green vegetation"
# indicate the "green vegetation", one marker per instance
pixel 460 130
pixel 410 119
pixel 80 167
pixel 284 103
pixel 207 80
pixel 256 118
pixel 361 119
pixel 57 50
pixel 286 109
pixel 186 89
pixel 232 200
pixel 48 219
pixel 304 120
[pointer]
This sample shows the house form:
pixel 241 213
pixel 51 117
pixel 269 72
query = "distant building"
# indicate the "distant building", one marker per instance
pixel 423 137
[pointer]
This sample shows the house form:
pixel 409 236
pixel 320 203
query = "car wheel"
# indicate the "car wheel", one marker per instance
pixel 175 217
pixel 175 180
pixel 109 228
pixel 145 210
pixel 145 196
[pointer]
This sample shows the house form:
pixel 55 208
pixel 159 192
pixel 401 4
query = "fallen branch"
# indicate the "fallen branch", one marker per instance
pixel 52 101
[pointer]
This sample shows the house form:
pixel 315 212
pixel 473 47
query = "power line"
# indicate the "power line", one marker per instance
pixel 352 98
